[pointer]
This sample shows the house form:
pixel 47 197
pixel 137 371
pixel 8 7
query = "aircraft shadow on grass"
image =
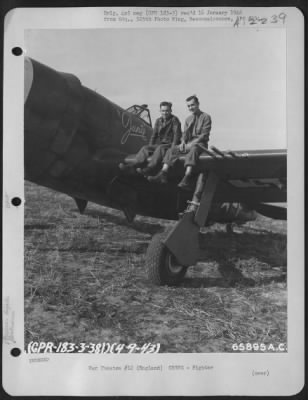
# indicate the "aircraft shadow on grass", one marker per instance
pixel 231 277
pixel 220 247
pixel 267 250
pixel 139 226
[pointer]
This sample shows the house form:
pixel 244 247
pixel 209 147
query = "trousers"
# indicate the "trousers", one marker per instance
pixel 157 153
pixel 191 158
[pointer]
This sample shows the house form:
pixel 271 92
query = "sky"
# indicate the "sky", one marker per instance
pixel 239 75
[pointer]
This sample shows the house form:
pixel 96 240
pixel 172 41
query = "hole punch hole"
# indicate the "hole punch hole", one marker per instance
pixel 15 352
pixel 17 51
pixel 16 201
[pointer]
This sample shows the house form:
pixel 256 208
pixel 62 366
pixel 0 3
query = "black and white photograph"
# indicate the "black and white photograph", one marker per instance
pixel 155 201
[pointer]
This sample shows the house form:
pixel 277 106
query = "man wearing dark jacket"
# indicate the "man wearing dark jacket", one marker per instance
pixel 194 139
pixel 166 133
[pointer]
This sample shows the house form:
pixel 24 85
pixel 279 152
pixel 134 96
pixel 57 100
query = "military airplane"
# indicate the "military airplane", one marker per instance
pixel 75 138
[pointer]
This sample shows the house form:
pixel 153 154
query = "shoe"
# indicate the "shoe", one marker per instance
pixel 145 171
pixel 161 177
pixel 127 168
pixel 123 166
pixel 187 183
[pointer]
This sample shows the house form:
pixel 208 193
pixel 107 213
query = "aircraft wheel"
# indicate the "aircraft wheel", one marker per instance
pixel 162 266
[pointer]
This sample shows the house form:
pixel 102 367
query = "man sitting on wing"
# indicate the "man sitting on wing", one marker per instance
pixel 167 132
pixel 195 138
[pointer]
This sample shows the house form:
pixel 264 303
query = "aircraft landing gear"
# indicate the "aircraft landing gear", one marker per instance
pixel 162 266
pixel 171 253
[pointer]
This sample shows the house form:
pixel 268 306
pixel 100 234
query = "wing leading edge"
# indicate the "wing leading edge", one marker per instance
pixel 250 176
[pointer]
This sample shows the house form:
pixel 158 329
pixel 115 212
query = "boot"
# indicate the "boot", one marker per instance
pixel 187 183
pixel 161 177
pixel 127 168
pixel 145 171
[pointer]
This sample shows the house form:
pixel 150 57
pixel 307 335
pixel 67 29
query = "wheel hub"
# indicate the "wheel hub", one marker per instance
pixel 172 264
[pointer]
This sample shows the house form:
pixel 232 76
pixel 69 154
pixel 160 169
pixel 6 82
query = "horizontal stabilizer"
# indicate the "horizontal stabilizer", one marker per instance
pixel 81 204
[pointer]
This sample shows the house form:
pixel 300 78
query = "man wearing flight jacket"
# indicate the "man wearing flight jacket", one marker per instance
pixel 194 139
pixel 167 132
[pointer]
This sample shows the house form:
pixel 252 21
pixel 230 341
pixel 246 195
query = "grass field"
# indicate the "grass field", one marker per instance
pixel 85 281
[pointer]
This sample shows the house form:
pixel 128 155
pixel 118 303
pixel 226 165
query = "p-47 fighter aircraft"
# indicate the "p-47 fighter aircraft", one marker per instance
pixel 76 138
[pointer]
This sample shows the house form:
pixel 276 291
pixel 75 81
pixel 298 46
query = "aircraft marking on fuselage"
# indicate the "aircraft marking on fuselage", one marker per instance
pixel 132 129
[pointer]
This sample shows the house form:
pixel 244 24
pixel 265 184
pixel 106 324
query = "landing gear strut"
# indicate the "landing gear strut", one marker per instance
pixel 169 255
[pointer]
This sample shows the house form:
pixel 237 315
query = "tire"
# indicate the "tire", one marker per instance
pixel 162 267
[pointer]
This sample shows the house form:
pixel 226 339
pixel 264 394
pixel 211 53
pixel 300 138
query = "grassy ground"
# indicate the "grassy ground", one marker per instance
pixel 85 281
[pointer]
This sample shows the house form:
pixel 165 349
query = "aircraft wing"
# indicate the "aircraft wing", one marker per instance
pixel 247 176
pixel 251 176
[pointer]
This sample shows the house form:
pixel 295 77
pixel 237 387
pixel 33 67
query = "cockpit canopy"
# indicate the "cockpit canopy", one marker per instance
pixel 142 112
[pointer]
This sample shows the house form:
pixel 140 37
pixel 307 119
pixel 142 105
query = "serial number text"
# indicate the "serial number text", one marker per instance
pixel 269 347
pixel 94 348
